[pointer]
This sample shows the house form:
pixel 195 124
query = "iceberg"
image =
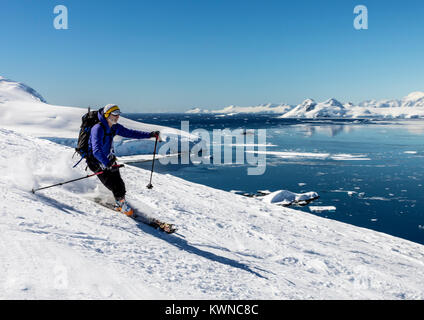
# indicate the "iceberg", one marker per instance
pixel 287 198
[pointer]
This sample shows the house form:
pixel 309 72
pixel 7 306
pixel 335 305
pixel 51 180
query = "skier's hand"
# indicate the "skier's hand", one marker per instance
pixel 155 134
pixel 112 166
pixel 112 159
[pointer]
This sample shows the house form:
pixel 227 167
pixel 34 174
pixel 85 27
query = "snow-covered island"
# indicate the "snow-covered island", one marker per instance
pixel 59 244
pixel 409 107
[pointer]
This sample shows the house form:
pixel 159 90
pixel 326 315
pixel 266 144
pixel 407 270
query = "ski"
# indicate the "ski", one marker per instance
pixel 163 226
pixel 139 217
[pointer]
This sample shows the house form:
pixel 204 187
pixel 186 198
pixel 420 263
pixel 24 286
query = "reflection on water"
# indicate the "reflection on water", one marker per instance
pixel 329 130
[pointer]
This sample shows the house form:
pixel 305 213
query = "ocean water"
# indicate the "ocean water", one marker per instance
pixel 372 172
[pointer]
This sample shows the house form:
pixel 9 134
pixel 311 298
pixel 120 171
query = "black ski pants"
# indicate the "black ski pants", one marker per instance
pixel 111 179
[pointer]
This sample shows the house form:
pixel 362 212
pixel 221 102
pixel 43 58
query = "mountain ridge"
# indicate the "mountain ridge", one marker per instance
pixel 410 106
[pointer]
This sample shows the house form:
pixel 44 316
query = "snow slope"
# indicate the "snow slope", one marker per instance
pixel 58 244
pixel 25 110
pixel 11 91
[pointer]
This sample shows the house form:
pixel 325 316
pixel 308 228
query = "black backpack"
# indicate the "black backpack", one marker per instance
pixel 88 121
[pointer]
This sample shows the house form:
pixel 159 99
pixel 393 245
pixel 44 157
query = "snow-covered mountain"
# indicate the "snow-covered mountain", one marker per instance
pixel 310 109
pixel 15 91
pixel 263 108
pixel 413 100
pixel 411 106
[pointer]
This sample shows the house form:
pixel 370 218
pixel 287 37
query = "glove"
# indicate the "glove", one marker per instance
pixel 112 159
pixel 110 167
pixel 154 134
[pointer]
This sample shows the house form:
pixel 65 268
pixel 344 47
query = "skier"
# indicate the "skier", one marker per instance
pixel 101 156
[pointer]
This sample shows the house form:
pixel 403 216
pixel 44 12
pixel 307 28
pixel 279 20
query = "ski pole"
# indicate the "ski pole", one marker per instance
pixel 88 176
pixel 150 186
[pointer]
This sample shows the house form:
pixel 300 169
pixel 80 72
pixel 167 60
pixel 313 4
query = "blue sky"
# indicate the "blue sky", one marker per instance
pixel 171 55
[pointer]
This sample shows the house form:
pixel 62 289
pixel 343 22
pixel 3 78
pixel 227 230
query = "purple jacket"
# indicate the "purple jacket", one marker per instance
pixel 100 143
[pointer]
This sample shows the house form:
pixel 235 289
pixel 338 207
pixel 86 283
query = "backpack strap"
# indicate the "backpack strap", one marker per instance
pixel 112 134
pixel 78 162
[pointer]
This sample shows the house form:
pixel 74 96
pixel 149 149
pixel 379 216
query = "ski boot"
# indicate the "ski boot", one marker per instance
pixel 122 206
